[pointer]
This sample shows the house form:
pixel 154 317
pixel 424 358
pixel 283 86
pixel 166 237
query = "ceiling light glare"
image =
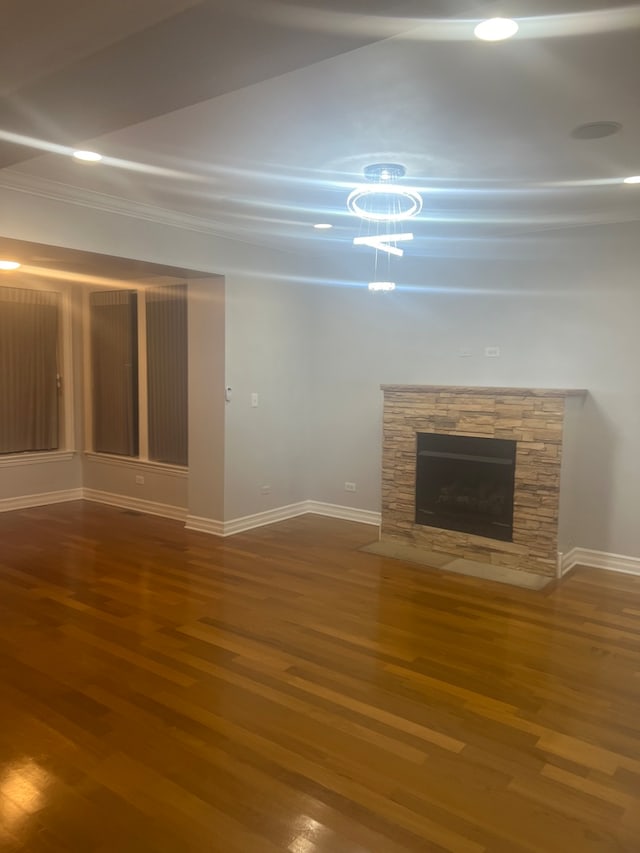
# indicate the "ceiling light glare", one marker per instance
pixel 9 265
pixel 633 179
pixel 496 29
pixel 88 156
pixel 323 226
pixel 409 197
pixel 380 286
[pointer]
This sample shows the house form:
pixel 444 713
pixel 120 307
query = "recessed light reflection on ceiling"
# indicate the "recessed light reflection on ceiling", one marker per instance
pixel 87 156
pixel 633 179
pixel 9 265
pixel 323 226
pixel 496 29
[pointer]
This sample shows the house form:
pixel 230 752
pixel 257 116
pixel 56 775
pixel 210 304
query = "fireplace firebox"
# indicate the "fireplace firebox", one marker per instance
pixel 466 483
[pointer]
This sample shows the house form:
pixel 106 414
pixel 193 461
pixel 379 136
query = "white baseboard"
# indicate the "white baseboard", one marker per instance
pixel 194 522
pixel 136 504
pixel 346 513
pixel 281 513
pixel 574 557
pixel 245 522
pixel 260 519
pixel 42 499
pixel 204 525
pixel 599 560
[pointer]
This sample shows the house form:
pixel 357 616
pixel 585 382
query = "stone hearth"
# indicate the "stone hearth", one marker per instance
pixel 540 421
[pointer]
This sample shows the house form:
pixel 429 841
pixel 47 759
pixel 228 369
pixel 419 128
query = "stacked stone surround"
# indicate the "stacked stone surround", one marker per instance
pixel 531 417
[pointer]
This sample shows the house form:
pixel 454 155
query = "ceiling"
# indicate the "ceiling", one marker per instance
pixel 254 119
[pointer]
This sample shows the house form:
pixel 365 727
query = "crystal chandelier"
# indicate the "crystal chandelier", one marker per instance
pixel 382 205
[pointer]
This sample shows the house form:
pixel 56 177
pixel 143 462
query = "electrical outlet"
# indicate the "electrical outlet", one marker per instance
pixel 349 487
pixel 265 490
pixel 140 479
pixel 254 400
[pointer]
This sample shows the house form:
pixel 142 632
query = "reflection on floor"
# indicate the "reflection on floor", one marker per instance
pixel 282 690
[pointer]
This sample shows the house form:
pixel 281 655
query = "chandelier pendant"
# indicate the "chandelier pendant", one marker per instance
pixel 382 203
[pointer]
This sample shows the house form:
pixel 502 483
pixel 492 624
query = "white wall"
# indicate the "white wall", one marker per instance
pixel 563 308
pixel 164 485
pixel 206 421
pixel 564 311
pixel 262 339
pixel 268 330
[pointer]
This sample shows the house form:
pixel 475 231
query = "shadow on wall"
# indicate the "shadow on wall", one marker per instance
pixel 597 444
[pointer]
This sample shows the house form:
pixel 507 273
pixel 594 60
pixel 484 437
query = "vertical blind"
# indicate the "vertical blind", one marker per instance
pixel 28 370
pixel 166 309
pixel 114 367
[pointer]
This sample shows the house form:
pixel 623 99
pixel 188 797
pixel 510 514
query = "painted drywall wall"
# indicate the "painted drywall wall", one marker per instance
pixel 260 327
pixel 206 304
pixel 164 486
pixel 268 330
pixel 562 308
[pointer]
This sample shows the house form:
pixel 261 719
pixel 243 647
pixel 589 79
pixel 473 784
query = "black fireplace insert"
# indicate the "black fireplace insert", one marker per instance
pixel 466 483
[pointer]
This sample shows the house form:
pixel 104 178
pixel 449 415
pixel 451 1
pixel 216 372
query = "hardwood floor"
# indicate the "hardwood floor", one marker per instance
pixel 162 690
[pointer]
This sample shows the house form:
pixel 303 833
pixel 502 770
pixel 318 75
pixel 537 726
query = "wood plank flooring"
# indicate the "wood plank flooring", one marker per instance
pixel 280 690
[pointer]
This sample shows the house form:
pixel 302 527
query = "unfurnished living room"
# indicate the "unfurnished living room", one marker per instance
pixel 319 426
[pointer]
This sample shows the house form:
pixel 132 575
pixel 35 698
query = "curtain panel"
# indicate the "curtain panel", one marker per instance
pixel 29 322
pixel 167 376
pixel 114 371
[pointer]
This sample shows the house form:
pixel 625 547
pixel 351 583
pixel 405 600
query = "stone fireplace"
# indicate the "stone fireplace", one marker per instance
pixel 476 473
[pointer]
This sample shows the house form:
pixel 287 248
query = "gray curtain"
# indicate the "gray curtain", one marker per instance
pixel 167 373
pixel 114 367
pixel 28 370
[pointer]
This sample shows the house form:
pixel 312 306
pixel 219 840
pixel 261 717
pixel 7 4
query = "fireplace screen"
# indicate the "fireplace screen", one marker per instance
pixel 466 483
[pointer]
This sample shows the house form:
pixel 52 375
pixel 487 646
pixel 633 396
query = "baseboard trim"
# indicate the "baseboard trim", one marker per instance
pixel 137 504
pixel 600 560
pixel 205 525
pixel 246 522
pixel 261 519
pixel 346 513
pixel 575 557
pixel 42 499
pixel 281 513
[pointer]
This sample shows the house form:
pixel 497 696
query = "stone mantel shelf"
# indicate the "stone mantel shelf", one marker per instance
pixel 478 389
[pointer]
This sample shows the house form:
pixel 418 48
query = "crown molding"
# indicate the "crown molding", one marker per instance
pixel 16 181
pixel 12 179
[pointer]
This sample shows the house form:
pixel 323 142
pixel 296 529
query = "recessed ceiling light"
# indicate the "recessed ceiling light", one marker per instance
pixel 323 226
pixel 382 285
pixel 633 179
pixel 88 156
pixel 496 29
pixel 9 265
